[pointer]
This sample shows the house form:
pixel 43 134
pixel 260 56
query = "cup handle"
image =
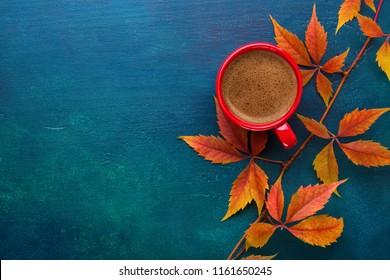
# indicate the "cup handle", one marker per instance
pixel 286 136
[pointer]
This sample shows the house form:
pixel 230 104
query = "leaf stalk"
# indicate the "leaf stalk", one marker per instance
pixel 269 160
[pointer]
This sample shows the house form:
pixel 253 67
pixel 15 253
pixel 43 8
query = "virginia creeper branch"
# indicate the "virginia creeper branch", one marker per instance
pixel 308 139
pixel 340 86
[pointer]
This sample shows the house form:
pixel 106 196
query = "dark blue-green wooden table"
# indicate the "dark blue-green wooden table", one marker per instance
pixel 93 95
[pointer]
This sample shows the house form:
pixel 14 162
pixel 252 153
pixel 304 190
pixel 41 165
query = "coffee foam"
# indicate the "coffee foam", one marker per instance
pixel 259 87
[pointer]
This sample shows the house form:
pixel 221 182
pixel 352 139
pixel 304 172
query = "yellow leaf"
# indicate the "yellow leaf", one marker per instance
pixel 306 75
pixel 334 64
pixel 250 185
pixel 383 57
pixel 325 165
pixel 258 234
pixel 358 122
pixel 316 38
pixel 291 44
pixel 348 10
pixel 366 153
pixel 370 3
pixel 315 127
pixel 369 27
pixel 324 87
pixel 318 230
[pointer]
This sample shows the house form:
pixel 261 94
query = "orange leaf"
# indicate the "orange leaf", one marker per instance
pixel 334 64
pixel 318 230
pixel 316 38
pixel 324 87
pixel 275 201
pixel 358 122
pixel 307 201
pixel 370 3
pixel 232 133
pixel 315 127
pixel 258 234
pixel 258 141
pixel 213 148
pixel 306 75
pixel 348 10
pixel 383 57
pixel 366 153
pixel 325 165
pixel 250 185
pixel 258 257
pixel 369 27
pixel 291 44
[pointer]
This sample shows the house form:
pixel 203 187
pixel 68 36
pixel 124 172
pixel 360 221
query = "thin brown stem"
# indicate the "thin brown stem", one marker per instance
pixel 378 9
pixel 241 242
pixel 269 160
pixel 239 253
pixel 295 155
pixel 308 139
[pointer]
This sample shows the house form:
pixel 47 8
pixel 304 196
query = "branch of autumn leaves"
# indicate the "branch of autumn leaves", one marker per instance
pixel 316 43
pixel 239 144
pixel 360 152
pixel 349 10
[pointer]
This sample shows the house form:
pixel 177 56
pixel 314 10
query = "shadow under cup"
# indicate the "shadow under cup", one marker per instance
pixel 280 126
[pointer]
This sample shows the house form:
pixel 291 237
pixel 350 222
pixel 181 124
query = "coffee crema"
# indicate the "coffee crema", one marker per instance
pixel 259 87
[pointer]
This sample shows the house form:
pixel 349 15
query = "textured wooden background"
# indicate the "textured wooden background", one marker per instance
pixel 93 95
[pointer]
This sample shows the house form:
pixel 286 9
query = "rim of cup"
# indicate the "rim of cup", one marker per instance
pixel 264 47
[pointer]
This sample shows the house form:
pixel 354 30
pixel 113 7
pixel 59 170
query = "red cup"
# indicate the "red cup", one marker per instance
pixel 280 126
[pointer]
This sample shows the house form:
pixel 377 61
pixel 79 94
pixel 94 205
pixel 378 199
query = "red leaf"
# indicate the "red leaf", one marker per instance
pixel 232 133
pixel 370 3
pixel 348 10
pixel 307 201
pixel 250 185
pixel 334 64
pixel 213 148
pixel 258 141
pixel 291 44
pixel 366 153
pixel 316 38
pixel 318 230
pixel 324 87
pixel 275 201
pixel 315 127
pixel 369 27
pixel 258 234
pixel 306 75
pixel 325 165
pixel 358 122
pixel 383 57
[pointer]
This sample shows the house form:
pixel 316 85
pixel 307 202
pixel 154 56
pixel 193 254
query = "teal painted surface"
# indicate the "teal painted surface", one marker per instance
pixel 93 95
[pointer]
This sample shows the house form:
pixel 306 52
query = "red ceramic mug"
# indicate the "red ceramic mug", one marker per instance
pixel 280 126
